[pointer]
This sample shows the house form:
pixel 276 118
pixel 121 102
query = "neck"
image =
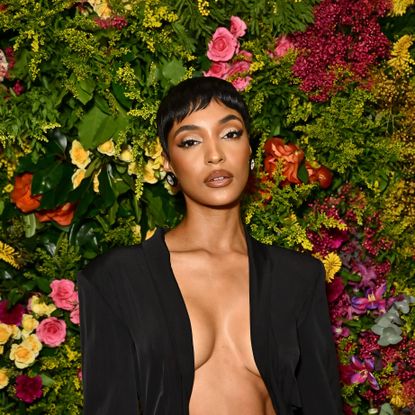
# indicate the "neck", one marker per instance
pixel 214 229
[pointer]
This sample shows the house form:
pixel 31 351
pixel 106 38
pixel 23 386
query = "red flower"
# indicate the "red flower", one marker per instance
pixel 12 316
pixel 21 194
pixel 321 174
pixel 290 154
pixel 28 389
pixel 62 215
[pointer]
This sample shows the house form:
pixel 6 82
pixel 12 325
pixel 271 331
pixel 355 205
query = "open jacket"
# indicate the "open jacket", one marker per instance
pixel 137 351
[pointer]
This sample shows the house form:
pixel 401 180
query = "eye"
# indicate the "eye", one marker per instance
pixel 188 142
pixel 233 134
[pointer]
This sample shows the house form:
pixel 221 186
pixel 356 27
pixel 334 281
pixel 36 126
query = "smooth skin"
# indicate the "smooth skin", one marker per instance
pixel 208 255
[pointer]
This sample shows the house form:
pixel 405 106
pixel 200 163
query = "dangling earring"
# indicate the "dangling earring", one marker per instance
pixel 252 164
pixel 171 179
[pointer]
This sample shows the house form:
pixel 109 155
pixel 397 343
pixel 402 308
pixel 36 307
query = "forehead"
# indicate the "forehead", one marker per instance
pixel 214 112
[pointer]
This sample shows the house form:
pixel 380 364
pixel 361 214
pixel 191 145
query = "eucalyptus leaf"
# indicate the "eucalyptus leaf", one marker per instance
pixel 173 71
pixel 386 409
pixel 29 225
pixel 46 380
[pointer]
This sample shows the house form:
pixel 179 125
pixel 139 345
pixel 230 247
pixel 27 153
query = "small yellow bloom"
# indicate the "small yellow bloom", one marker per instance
pixel 127 155
pixel 149 172
pixel 101 8
pixel 96 181
pixel 22 355
pixel 5 333
pixel 33 343
pixel 29 323
pixel 155 151
pixel 4 379
pixel 107 148
pixel 150 233
pixel 16 332
pixel 1 349
pixel 77 177
pixel 7 254
pixel 40 308
pixel 132 168
pixel 332 264
pixel 79 156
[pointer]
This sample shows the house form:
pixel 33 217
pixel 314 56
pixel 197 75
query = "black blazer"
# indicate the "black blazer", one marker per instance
pixel 137 351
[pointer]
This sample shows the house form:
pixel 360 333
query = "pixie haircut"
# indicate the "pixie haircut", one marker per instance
pixel 195 94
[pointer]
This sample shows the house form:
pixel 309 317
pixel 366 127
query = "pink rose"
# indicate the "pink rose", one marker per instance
pixel 238 67
pixel 218 70
pixel 51 331
pixel 222 46
pixel 63 294
pixel 238 26
pixel 282 46
pixel 241 83
pixel 247 56
pixel 75 315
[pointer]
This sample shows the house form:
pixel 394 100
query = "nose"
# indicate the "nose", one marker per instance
pixel 214 152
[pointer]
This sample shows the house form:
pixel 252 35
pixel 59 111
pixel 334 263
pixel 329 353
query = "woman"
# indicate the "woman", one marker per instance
pixel 203 319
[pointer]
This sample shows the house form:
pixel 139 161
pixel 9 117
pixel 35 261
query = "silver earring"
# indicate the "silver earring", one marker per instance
pixel 171 179
pixel 252 164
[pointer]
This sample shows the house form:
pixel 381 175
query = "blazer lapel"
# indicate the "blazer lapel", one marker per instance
pixel 174 308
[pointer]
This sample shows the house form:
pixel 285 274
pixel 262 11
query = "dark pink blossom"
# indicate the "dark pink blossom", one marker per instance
pixel 18 88
pixel 115 22
pixel 28 389
pixel 12 316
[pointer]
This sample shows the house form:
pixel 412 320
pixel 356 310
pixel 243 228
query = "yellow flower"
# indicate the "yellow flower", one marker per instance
pixel 77 177
pixel 155 151
pixel 16 332
pixel 40 308
pixel 22 355
pixel 107 148
pixel 400 6
pixel 7 254
pixel 4 379
pixel 149 172
pixel 150 233
pixel 101 8
pixel 96 181
pixel 332 264
pixel 33 343
pixel 29 323
pixel 127 155
pixel 79 156
pixel 1 349
pixel 132 168
pixel 401 59
pixel 5 333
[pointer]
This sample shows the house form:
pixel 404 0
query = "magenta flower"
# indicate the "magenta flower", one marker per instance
pixel 13 315
pixel 28 389
pixel 363 372
pixel 372 301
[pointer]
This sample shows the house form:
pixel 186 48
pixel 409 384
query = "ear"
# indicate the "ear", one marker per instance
pixel 166 163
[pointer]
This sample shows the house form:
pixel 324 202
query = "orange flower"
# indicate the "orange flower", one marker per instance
pixel 321 174
pixel 62 215
pixel 290 154
pixel 22 196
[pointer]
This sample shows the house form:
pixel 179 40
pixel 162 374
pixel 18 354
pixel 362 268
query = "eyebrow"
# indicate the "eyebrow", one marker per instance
pixel 193 127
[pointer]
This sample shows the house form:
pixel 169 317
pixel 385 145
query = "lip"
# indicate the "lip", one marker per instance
pixel 218 178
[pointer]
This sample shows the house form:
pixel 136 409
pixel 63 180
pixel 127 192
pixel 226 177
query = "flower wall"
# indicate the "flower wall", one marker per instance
pixel 331 90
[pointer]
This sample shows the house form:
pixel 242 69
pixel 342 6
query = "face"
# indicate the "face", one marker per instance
pixel 209 154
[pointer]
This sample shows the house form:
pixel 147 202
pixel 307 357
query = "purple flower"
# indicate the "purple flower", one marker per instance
pixel 363 372
pixel 372 301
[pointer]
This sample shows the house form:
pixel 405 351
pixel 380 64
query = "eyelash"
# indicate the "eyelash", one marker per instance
pixel 189 142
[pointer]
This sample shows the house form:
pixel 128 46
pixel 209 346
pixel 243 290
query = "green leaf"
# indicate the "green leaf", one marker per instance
pixel 43 284
pixel 46 380
pixel 97 127
pixel 386 409
pixel 29 225
pixel 48 178
pixel 85 89
pixel 173 71
pixel 302 173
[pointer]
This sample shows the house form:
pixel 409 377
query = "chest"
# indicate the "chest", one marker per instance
pixel 216 296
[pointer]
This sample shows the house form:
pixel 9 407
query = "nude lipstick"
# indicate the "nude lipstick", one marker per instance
pixel 218 178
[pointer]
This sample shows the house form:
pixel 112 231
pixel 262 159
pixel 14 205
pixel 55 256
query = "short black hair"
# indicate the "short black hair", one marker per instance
pixel 192 95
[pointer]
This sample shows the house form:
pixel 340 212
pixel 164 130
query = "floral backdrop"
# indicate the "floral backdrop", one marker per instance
pixel 331 90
